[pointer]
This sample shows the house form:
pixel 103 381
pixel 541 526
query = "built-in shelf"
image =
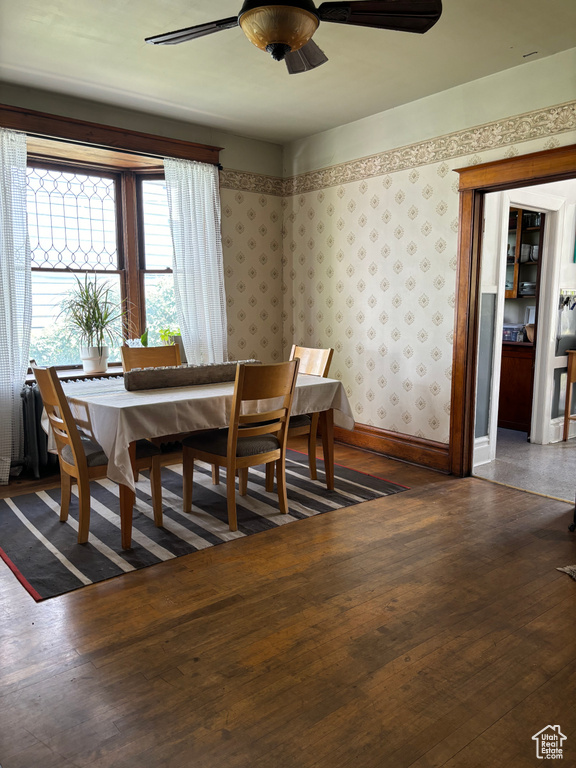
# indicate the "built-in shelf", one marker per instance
pixel 524 251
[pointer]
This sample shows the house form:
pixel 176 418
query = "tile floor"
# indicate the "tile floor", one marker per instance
pixel 545 469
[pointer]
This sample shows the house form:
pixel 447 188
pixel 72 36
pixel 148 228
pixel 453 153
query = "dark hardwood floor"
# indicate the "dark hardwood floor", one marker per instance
pixel 420 630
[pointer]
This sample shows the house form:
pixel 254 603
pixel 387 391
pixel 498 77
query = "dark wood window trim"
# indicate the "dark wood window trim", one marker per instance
pixel 475 182
pixel 135 311
pixel 105 137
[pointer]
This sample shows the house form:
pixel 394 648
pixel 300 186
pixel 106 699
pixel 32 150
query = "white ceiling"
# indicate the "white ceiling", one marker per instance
pixel 95 49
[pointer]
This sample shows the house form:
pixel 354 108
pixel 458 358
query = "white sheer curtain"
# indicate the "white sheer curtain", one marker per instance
pixel 194 202
pixel 15 295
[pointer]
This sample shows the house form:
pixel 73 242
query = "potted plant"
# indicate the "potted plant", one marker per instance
pixel 91 309
pixel 172 336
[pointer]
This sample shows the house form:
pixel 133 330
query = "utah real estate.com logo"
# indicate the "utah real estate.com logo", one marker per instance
pixel 549 743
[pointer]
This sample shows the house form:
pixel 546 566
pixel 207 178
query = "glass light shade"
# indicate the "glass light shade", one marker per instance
pixel 282 24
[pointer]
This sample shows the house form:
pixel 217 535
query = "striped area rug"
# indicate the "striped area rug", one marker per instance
pixel 44 555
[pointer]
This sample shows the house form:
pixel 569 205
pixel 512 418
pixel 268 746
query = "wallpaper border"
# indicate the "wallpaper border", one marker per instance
pixel 242 181
pixel 500 133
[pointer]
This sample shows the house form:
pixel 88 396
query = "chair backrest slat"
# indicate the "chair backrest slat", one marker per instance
pixel 314 362
pixel 263 429
pixel 248 418
pixel 150 357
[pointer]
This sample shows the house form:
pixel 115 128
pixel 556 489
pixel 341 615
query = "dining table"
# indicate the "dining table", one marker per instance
pixel 116 418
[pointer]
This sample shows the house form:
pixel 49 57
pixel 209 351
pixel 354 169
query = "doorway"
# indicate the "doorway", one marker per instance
pixel 475 183
pixel 527 262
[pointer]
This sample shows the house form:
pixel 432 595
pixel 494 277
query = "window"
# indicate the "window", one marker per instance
pixel 128 160
pixel 79 225
pixel 72 226
pixel 157 253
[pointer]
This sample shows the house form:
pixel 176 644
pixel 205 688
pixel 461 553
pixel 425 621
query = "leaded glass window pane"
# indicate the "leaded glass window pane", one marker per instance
pixel 72 220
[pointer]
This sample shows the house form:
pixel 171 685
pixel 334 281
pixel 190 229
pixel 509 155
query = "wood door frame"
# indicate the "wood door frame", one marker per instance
pixel 475 181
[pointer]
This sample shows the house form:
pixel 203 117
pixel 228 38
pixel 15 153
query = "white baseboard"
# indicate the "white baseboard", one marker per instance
pixel 482 451
pixel 557 430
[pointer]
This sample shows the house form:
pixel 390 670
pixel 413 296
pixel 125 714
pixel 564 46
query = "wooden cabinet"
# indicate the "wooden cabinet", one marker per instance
pixel 523 257
pixel 516 386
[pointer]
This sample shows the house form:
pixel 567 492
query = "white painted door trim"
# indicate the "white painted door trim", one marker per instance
pixel 545 361
pixel 544 429
pixel 493 281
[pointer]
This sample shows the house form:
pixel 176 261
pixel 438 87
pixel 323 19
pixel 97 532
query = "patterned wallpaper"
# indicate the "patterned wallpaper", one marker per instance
pixel 367 265
pixel 252 249
pixel 371 272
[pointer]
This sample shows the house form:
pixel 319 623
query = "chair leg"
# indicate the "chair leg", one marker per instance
pixel 231 498
pixel 243 481
pixel 312 446
pixel 156 490
pixel 66 493
pixel 84 512
pixel 187 480
pixel 281 486
pixel 215 474
pixel 270 476
pixel 136 475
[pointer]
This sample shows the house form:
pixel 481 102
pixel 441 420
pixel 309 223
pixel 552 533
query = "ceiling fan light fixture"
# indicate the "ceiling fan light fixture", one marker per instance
pixel 278 29
pixel 278 51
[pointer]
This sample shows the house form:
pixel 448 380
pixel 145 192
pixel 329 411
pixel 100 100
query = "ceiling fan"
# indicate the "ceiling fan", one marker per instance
pixel 285 29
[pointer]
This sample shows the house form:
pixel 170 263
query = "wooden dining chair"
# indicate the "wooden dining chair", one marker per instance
pixel 248 441
pixel 157 357
pixel 150 357
pixel 314 362
pixel 82 459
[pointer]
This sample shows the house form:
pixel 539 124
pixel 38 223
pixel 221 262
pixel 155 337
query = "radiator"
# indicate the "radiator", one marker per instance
pixel 37 461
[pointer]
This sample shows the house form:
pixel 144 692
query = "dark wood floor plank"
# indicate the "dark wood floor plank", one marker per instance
pixel 425 678
pixel 422 630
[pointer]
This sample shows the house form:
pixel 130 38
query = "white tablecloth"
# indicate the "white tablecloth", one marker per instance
pixel 115 417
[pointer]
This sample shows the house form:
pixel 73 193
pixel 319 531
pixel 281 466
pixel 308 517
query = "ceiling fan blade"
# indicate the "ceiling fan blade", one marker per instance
pixel 307 58
pixel 191 33
pixel 402 15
